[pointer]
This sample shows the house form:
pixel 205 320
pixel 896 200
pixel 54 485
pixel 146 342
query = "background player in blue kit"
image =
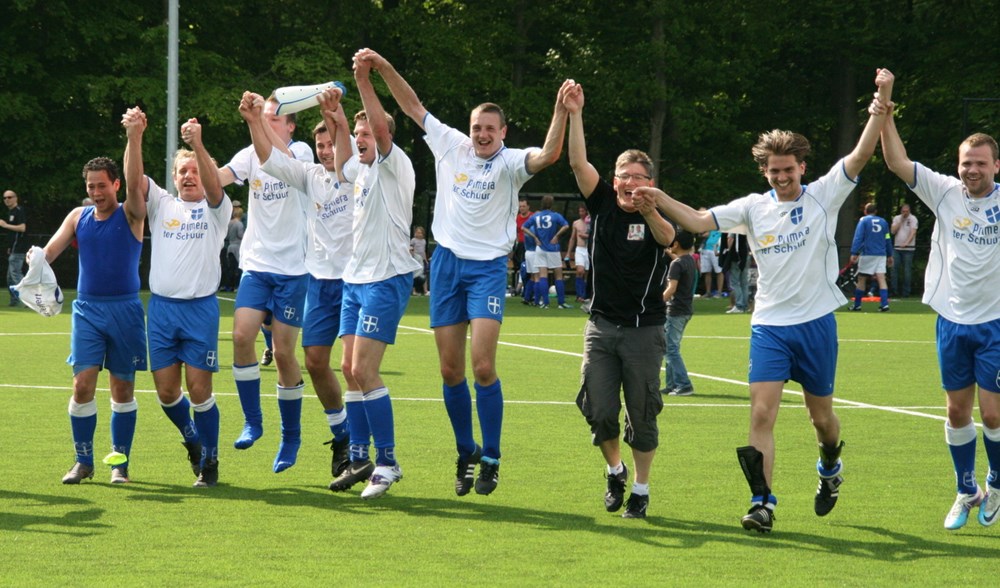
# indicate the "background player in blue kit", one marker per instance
pixel 871 249
pixel 546 227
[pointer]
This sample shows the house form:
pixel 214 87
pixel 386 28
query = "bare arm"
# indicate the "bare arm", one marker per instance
pixel 136 188
pixel 663 231
pixel 695 221
pixel 336 123
pixel 585 173
pixel 372 105
pixel 63 236
pixel 863 151
pixel 207 170
pixel 555 137
pixel 16 228
pixel 404 95
pixel 894 153
pixel 571 245
pixel 559 233
pixel 252 110
pixel 670 290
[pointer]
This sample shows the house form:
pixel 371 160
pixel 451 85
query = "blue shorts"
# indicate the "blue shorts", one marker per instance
pixel 466 289
pixel 185 331
pixel 969 354
pixel 108 332
pixel 282 296
pixel 805 353
pixel 374 310
pixel 322 322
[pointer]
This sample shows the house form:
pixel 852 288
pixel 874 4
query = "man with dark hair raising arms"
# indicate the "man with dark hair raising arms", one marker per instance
pixel 478 179
pixel 962 285
pixel 793 331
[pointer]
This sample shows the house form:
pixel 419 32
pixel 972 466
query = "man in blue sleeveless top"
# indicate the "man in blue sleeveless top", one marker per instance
pixel 108 329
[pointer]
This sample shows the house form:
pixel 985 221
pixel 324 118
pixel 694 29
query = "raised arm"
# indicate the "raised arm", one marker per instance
pixel 585 173
pixel 336 122
pixel 252 111
pixel 404 95
pixel 136 186
pixel 555 137
pixel 207 170
pixel 695 221
pixel 371 103
pixel 863 151
pixel 894 152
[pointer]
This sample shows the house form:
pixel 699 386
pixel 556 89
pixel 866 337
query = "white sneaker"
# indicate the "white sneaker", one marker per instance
pixel 989 507
pixel 381 479
pixel 959 513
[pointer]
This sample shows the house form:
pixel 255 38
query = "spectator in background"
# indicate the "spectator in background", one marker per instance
pixel 710 262
pixel 679 295
pixel 738 266
pixel 418 249
pixel 517 254
pixel 904 227
pixel 872 251
pixel 578 241
pixel 547 226
pixel 234 239
pixel 14 227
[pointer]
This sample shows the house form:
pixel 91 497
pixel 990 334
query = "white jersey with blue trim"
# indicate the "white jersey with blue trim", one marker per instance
pixel 275 239
pixel 186 239
pixel 476 202
pixel 961 282
pixel 383 212
pixel 331 213
pixel 795 248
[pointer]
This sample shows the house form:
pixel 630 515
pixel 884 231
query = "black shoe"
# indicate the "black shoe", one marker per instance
pixel 356 471
pixel 615 495
pixel 267 357
pixel 465 472
pixel 759 518
pixel 635 507
pixel 341 455
pixel 489 476
pixel 827 493
pixel 194 455
pixel 78 473
pixel 884 308
pixel 209 475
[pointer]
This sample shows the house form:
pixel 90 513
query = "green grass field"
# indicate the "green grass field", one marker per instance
pixel 545 524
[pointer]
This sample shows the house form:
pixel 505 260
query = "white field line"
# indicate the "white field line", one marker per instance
pixel 911 411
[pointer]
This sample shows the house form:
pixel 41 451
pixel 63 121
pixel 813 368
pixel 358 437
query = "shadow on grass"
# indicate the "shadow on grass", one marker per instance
pixel 77 523
pixel 662 532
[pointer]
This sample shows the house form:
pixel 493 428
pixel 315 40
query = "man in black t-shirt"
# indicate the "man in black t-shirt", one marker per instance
pixel 14 226
pixel 623 340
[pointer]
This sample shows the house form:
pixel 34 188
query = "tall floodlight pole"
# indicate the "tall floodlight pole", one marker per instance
pixel 171 93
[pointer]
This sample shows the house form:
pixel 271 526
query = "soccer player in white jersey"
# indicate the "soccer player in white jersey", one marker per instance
pixel 275 280
pixel 330 216
pixel 478 178
pixel 187 232
pixel 962 285
pixel 793 331
pixel 377 280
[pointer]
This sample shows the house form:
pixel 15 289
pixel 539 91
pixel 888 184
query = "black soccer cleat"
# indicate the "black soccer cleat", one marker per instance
pixel 341 457
pixel 209 475
pixel 465 472
pixel 194 455
pixel 615 495
pixel 78 473
pixel 635 507
pixel 489 476
pixel 759 518
pixel 356 471
pixel 827 493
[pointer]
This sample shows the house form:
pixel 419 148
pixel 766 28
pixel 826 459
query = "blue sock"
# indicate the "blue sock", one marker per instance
pixel 206 418
pixel 883 296
pixel 357 425
pixel 83 423
pixel 858 295
pixel 962 444
pixel 123 417
pixel 581 288
pixel 248 386
pixel 991 439
pixel 542 291
pixel 290 408
pixel 489 407
pixel 378 409
pixel 458 403
pixel 337 419
pixel 267 337
pixel 529 290
pixel 561 291
pixel 179 414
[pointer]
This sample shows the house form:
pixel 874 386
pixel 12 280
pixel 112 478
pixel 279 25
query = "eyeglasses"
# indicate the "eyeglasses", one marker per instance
pixel 636 177
pixel 8 197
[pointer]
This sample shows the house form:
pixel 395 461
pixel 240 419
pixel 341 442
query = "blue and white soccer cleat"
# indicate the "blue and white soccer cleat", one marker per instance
pixel 381 479
pixel 959 513
pixel 989 507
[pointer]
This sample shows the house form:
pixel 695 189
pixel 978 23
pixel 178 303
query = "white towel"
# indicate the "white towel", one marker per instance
pixel 39 290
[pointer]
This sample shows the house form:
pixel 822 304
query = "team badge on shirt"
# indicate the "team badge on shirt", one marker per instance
pixel 636 232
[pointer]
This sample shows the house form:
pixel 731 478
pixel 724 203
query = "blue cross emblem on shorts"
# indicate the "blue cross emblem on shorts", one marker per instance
pixel 210 359
pixel 369 323
pixel 289 312
pixel 796 215
pixel 493 304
